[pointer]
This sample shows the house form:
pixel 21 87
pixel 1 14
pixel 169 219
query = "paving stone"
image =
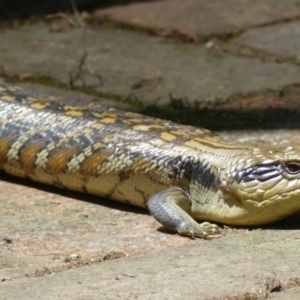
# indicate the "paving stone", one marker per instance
pixel 291 294
pixel 128 64
pixel 281 39
pixel 201 270
pixel 50 229
pixel 194 18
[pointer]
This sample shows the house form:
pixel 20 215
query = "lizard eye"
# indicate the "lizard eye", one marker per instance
pixel 292 167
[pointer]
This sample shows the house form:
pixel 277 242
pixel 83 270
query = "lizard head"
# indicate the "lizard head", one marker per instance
pixel 265 187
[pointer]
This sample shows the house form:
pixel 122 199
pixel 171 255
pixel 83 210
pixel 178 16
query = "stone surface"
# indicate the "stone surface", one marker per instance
pixel 200 270
pixel 281 39
pixel 119 61
pixel 194 19
pixel 43 227
pixel 292 294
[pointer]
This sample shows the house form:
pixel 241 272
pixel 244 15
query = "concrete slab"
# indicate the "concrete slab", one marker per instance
pixel 194 19
pixel 217 269
pixel 45 229
pixel 129 65
pixel 291 294
pixel 281 39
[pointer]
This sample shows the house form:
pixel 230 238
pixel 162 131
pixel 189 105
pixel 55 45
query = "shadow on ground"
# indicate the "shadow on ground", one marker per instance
pixel 219 119
pixel 27 8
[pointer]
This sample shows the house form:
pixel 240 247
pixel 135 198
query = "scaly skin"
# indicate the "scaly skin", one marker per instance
pixel 180 173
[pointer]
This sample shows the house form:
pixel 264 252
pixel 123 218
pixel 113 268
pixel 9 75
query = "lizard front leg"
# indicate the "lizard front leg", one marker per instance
pixel 172 208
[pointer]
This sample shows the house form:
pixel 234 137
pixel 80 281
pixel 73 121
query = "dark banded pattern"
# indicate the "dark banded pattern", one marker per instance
pixel 261 172
pixel 131 158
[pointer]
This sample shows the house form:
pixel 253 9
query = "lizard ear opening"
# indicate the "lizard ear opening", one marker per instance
pixel 292 167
